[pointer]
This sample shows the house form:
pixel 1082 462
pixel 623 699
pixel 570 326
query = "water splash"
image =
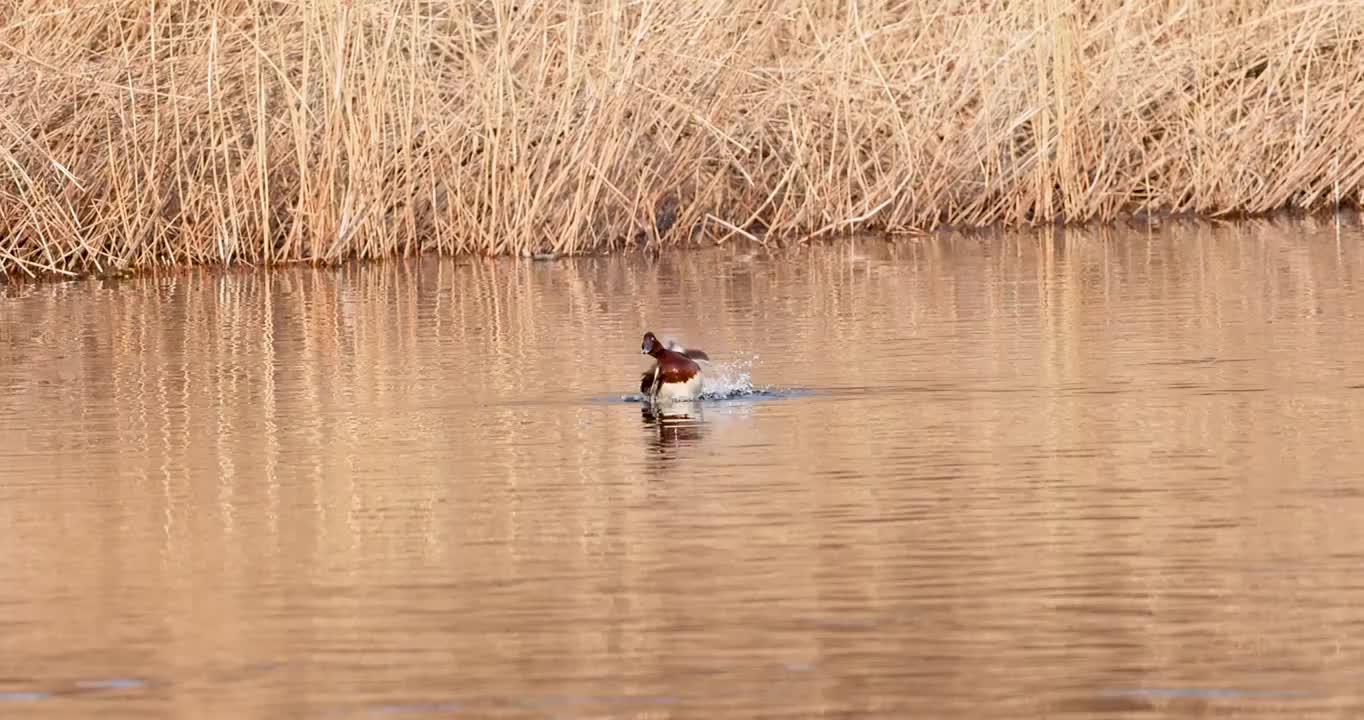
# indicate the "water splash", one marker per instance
pixel 728 380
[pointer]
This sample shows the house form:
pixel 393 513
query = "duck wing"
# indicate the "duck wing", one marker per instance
pixel 693 354
pixel 654 379
pixel 674 367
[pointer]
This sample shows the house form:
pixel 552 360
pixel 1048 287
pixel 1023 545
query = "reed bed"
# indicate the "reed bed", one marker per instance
pixel 141 132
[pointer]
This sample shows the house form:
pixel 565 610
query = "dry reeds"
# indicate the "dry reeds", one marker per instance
pixel 135 132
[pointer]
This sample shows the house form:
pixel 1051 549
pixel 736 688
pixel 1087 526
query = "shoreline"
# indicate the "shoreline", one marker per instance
pixel 1153 222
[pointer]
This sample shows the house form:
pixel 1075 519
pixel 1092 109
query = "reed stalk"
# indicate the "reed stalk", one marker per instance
pixel 144 132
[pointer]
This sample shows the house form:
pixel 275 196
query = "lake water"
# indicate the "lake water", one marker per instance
pixel 1089 474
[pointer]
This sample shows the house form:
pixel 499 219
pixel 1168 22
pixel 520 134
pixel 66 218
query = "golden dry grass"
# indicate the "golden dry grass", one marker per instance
pixel 135 132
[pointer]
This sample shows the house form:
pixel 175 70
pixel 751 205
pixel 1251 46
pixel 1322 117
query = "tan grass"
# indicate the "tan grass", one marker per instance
pixel 137 132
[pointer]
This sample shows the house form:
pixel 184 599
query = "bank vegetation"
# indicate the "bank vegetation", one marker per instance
pixel 140 132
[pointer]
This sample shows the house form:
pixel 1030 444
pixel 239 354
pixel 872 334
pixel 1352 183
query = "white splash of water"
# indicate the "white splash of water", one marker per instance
pixel 723 380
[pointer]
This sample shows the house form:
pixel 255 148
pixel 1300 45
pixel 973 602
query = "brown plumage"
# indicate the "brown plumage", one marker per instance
pixel 672 368
pixel 647 379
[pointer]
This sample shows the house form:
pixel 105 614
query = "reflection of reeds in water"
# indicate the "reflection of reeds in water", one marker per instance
pixel 360 422
pixel 250 130
pixel 269 366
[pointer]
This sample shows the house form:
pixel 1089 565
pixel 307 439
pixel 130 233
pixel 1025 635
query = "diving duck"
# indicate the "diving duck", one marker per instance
pixel 675 374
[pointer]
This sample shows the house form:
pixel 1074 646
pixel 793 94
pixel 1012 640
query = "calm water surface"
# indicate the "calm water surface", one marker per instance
pixel 1089 474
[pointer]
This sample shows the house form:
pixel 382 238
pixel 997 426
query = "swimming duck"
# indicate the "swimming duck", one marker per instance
pixel 675 374
pixel 647 380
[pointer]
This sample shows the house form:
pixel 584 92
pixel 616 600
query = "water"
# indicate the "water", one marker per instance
pixel 1089 474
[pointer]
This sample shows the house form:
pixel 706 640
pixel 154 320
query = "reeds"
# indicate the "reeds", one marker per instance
pixel 135 132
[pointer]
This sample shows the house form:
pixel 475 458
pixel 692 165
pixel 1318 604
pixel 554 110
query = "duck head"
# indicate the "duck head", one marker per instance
pixel 651 345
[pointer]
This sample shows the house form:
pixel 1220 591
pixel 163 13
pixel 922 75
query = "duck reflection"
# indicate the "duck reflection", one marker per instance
pixel 673 426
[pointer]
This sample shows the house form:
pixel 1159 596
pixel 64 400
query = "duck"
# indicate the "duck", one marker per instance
pixel 647 379
pixel 676 375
